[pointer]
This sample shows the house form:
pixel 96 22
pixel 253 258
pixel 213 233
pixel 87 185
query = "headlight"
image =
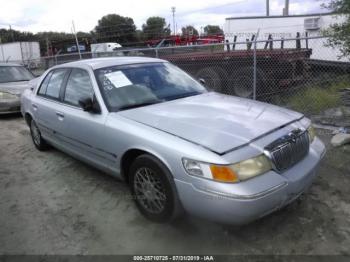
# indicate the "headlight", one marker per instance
pixel 229 173
pixel 7 96
pixel 312 133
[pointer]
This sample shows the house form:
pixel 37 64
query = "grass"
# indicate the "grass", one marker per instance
pixel 316 98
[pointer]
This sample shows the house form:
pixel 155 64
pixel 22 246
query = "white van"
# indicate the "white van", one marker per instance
pixel 99 49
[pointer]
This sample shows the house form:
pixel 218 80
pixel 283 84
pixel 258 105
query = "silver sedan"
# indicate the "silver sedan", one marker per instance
pixel 178 146
pixel 14 79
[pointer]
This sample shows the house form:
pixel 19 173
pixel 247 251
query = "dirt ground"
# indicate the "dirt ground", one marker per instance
pixel 51 203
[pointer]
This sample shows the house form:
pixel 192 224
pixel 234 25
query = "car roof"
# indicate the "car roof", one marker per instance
pixel 9 64
pixel 96 63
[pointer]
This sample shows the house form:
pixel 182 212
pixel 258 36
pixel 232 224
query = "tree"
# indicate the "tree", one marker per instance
pixel 212 30
pixel 339 33
pixel 7 35
pixel 55 41
pixel 155 27
pixel 189 30
pixel 115 28
pixel 140 36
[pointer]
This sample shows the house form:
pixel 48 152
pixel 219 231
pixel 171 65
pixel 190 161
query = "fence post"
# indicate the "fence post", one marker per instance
pixel 267 44
pixel 298 43
pixel 234 43
pixel 247 41
pixel 250 43
pixel 254 66
pixel 157 55
pixel 228 45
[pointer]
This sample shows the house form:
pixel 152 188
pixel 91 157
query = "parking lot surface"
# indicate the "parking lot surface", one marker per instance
pixel 51 203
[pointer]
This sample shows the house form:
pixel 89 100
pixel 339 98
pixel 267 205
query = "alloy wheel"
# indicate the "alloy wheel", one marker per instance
pixel 149 190
pixel 35 133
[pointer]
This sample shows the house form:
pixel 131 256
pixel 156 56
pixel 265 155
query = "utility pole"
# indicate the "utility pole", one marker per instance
pixel 76 38
pixel 267 7
pixel 11 32
pixel 173 9
pixel 286 8
pixel 47 46
pixel 2 50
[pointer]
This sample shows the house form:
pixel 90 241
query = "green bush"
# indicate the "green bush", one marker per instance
pixel 317 98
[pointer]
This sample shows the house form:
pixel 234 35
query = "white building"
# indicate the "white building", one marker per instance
pixel 285 27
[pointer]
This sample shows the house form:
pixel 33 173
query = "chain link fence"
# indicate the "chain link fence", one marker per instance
pixel 298 73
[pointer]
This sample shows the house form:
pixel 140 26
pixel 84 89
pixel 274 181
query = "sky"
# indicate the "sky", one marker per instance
pixel 49 15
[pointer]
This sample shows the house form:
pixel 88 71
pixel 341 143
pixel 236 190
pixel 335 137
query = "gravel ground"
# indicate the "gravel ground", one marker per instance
pixel 51 203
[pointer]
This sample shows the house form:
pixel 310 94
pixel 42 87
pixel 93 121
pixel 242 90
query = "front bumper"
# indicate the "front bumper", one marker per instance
pixel 246 201
pixel 9 107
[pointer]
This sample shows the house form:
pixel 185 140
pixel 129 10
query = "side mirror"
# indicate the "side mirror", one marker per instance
pixel 202 81
pixel 89 105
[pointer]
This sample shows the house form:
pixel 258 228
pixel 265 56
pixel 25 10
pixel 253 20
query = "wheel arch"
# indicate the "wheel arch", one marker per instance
pixel 28 117
pixel 131 154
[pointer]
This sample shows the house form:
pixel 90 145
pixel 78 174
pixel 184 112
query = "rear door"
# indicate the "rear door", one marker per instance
pixel 46 105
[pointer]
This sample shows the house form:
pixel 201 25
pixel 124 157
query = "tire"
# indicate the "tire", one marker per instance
pixel 242 82
pixel 153 189
pixel 215 78
pixel 38 141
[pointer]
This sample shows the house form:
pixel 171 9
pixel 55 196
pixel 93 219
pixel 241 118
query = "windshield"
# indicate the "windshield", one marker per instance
pixel 14 74
pixel 130 86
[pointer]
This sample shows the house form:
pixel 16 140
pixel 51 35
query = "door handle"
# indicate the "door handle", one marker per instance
pixel 35 107
pixel 60 115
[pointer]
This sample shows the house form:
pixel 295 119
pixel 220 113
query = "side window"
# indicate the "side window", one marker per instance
pixel 54 85
pixel 78 86
pixel 43 86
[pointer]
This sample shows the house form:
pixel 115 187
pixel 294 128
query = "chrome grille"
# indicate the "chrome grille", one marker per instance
pixel 289 149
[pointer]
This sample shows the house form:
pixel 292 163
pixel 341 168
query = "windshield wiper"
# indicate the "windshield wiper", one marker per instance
pixel 139 104
pixel 169 98
pixel 20 80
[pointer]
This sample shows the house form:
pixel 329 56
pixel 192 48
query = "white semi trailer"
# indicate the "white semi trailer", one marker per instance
pixel 243 28
pixel 26 53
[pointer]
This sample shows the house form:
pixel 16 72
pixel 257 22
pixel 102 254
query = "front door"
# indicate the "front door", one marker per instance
pixel 84 131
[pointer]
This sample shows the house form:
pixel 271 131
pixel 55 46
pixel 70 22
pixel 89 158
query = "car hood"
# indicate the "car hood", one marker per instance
pixel 218 122
pixel 15 88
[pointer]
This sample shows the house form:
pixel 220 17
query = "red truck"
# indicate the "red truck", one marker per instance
pixel 177 40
